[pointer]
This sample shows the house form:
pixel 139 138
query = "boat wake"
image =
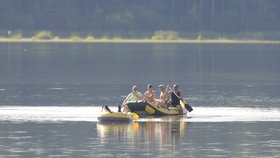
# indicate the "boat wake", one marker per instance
pixel 86 113
pixel 234 114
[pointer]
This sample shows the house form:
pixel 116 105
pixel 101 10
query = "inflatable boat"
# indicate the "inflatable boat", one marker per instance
pixel 108 116
pixel 147 109
pixel 115 117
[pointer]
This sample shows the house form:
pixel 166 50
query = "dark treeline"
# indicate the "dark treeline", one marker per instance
pixel 109 16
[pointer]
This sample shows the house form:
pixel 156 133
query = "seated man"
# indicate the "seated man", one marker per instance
pixel 175 98
pixel 132 97
pixel 150 95
pixel 164 97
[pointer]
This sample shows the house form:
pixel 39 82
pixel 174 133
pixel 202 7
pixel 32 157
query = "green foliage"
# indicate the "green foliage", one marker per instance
pixel 56 38
pixel 90 38
pixel 17 36
pixel 165 35
pixel 42 35
pixel 143 18
pixel 75 38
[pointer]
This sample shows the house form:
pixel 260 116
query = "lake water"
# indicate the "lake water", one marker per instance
pixel 50 98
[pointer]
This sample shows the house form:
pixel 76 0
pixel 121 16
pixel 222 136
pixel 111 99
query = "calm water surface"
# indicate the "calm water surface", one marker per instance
pixel 50 97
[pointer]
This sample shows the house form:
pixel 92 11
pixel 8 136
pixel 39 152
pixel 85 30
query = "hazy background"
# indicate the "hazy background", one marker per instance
pixel 254 19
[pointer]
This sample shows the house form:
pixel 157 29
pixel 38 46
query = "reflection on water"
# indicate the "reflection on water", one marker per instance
pixel 164 133
pixel 140 139
pixel 105 131
pixel 151 138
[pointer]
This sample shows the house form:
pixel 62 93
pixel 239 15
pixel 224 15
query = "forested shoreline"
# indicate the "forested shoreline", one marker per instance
pixel 241 19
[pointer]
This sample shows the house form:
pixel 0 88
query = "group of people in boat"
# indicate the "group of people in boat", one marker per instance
pixel 168 96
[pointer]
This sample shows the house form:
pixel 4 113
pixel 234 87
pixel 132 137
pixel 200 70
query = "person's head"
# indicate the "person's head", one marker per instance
pixel 134 88
pixel 149 87
pixel 161 87
pixel 176 87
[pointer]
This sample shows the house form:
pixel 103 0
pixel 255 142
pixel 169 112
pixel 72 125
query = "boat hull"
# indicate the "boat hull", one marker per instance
pixel 146 109
pixel 115 117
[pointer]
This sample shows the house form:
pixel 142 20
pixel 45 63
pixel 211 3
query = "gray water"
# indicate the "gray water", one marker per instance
pixel 50 97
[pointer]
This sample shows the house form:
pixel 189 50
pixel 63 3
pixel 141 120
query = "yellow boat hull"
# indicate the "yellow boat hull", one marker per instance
pixel 146 109
pixel 115 117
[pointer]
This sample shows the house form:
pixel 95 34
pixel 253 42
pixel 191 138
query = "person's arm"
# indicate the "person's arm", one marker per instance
pixel 168 97
pixel 165 97
pixel 126 99
pixel 145 97
pixel 139 95
pixel 154 95
pixel 124 102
